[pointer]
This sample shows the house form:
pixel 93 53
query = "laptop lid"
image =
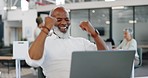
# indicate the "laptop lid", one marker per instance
pixel 102 64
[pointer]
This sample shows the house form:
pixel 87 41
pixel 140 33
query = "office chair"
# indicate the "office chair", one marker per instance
pixel 139 51
pixel 40 73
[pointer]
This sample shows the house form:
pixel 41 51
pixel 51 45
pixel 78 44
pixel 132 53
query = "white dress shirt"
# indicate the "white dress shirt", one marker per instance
pixel 56 60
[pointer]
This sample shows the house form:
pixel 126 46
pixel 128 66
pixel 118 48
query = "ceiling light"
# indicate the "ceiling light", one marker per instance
pixel 60 2
pixel 5 8
pixel 107 22
pixel 131 21
pixel 109 0
pixel 13 7
pixel 118 7
pixel 93 11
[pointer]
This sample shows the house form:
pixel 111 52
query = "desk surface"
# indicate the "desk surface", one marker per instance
pixel 6 58
pixel 142 77
pixel 143 46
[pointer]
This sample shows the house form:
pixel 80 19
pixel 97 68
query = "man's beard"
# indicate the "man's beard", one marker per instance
pixel 60 34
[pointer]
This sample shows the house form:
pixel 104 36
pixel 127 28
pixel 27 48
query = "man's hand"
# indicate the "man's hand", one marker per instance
pixel 85 25
pixel 50 22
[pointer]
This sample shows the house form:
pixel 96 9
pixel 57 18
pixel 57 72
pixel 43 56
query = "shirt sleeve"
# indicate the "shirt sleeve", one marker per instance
pixel 34 63
pixel 89 45
pixel 133 45
pixel 121 44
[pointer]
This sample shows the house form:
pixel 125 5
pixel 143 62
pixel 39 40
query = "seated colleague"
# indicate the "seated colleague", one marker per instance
pixel 53 53
pixel 129 43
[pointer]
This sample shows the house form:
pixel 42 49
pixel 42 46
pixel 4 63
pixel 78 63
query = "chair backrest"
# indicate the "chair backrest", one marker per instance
pixel 40 73
pixel 139 51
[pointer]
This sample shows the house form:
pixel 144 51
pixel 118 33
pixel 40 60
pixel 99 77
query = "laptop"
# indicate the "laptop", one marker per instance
pixel 102 64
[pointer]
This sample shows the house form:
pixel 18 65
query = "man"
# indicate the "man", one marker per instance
pixel 53 53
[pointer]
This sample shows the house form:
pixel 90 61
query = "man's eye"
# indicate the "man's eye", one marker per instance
pixel 58 20
pixel 66 19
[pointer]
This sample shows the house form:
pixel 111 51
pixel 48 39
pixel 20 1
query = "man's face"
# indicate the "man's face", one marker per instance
pixel 63 21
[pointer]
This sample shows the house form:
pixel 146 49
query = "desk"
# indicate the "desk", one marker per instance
pixel 142 77
pixel 17 64
pixel 6 58
pixel 143 46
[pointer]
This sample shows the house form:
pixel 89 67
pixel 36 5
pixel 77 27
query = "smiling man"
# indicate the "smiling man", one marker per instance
pixel 53 53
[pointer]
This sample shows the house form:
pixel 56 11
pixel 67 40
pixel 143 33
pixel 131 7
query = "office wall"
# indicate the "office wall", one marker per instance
pixel 20 24
pixel 97 17
pixel 11 31
pixel 141 33
pixel 76 18
pixel 29 24
pixel 15 15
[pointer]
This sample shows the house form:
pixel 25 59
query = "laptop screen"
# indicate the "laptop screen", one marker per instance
pixel 102 64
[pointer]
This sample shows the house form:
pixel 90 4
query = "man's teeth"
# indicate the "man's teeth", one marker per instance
pixel 63 27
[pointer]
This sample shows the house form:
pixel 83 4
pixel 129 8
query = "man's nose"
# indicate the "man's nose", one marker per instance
pixel 63 22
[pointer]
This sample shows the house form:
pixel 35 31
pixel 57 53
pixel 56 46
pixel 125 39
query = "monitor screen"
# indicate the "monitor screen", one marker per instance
pixel 101 30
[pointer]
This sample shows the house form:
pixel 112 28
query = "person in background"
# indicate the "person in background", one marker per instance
pixel 129 43
pixel 53 52
pixel 37 30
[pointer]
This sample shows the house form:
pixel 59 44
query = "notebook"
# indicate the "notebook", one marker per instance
pixel 102 64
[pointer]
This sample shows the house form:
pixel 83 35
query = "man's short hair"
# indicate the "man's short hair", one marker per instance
pixel 51 12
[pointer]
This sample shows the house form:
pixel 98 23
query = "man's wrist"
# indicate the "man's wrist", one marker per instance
pixel 95 34
pixel 45 31
pixel 45 27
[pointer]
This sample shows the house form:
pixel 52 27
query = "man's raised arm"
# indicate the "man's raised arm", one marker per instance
pixel 95 35
pixel 37 48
